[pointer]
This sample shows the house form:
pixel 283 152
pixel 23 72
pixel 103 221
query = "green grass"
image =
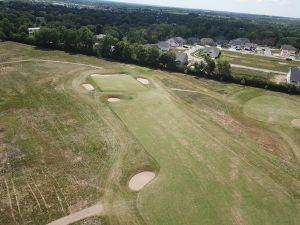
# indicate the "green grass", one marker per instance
pixel 241 72
pixel 119 83
pixel 258 61
pixel 272 109
pixel 218 158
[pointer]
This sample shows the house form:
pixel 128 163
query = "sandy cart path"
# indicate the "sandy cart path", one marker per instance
pixel 95 210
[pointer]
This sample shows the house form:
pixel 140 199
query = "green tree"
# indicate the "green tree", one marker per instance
pixel 167 60
pixel 107 46
pixel 47 37
pixel 199 68
pixel 224 70
pixel 85 37
pixel 2 35
pixel 152 56
pixel 210 65
pixel 71 40
pixel 141 54
pixel 7 27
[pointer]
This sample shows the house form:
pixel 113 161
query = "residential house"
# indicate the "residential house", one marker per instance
pixel 250 47
pixel 32 30
pixel 238 43
pixel 222 43
pixel 293 76
pixel 99 37
pixel 193 41
pixel 181 58
pixel 176 42
pixel 163 46
pixel 207 41
pixel 288 51
pixel 213 52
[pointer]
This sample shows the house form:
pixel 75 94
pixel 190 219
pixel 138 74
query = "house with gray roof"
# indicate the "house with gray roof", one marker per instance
pixel 193 41
pixel 176 42
pixel 239 42
pixel 181 58
pixel 33 30
pixel 207 41
pixel 250 47
pixel 288 51
pixel 293 76
pixel 163 46
pixel 213 52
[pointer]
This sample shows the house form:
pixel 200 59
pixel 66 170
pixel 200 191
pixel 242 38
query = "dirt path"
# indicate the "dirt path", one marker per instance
pixel 48 60
pixel 185 90
pixel 257 69
pixel 95 210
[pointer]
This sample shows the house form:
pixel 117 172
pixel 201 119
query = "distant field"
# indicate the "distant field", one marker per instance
pixel 259 61
pixel 224 154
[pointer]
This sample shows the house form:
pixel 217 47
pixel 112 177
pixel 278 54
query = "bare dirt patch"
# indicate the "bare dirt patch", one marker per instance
pixel 140 180
pixel 113 100
pixel 7 69
pixel 88 87
pixel 296 122
pixel 279 79
pixel 143 80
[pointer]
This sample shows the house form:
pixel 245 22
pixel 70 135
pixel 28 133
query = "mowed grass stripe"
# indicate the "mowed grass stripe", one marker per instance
pixel 117 82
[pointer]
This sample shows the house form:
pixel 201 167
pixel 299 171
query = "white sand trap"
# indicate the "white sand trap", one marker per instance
pixel 143 80
pixel 113 99
pixel 296 122
pixel 281 63
pixel 88 87
pixel 140 180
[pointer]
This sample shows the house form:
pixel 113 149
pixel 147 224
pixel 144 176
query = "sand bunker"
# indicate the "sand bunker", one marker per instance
pixel 88 87
pixel 296 122
pixel 113 99
pixel 140 180
pixel 143 80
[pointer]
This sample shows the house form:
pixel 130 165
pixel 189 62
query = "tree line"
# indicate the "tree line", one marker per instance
pixel 145 26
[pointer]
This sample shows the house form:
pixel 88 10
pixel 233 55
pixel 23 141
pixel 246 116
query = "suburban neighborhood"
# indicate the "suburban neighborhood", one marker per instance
pixel 140 112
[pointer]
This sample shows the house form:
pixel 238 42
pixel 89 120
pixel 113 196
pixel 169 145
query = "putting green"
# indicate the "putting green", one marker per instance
pixel 272 109
pixel 117 82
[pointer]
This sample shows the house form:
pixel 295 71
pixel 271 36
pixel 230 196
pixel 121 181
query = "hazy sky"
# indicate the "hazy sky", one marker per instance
pixel 289 8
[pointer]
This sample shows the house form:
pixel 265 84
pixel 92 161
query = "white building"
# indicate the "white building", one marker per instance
pixel 32 30
pixel 293 76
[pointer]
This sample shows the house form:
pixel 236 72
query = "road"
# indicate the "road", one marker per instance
pixel 95 210
pixel 190 52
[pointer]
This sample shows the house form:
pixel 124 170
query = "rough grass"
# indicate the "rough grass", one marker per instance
pixel 216 163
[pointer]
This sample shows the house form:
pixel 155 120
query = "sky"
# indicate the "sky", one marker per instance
pixel 287 8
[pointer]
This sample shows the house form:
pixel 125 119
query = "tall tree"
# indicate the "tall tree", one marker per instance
pixel 167 60
pixel 224 70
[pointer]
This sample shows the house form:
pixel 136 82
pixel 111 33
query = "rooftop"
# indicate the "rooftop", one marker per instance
pixel 288 47
pixel 212 51
pixel 295 74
